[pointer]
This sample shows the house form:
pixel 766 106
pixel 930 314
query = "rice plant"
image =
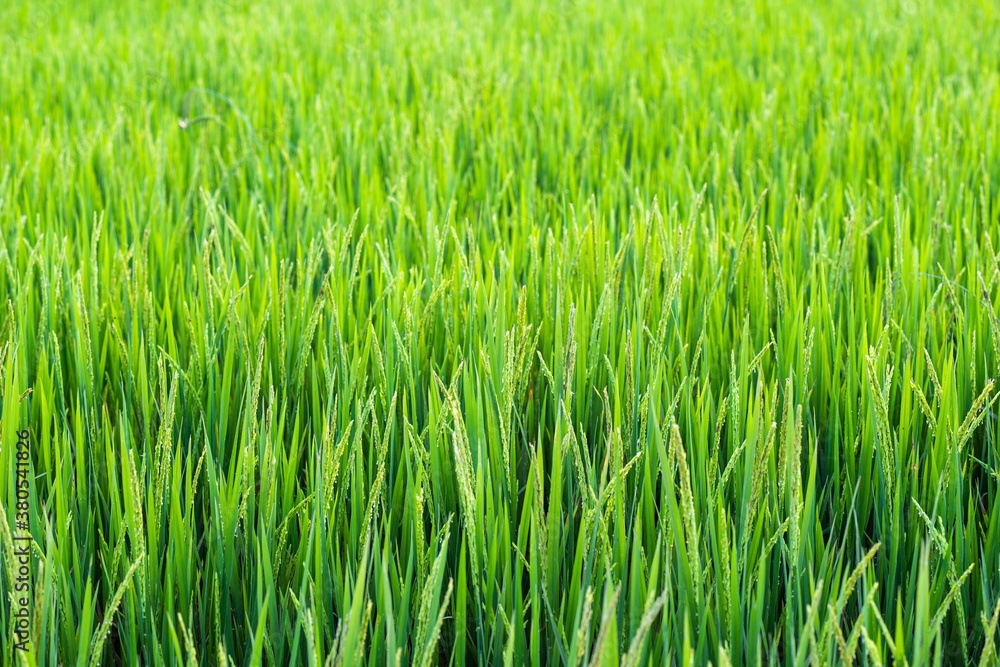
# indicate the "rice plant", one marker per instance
pixel 571 332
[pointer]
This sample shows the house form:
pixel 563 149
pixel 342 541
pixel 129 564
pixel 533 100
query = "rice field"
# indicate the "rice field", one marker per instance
pixel 569 332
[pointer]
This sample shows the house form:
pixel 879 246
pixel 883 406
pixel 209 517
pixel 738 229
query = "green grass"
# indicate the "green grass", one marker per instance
pixel 559 333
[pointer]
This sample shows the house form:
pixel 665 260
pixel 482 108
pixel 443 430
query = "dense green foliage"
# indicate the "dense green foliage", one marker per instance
pixel 540 333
